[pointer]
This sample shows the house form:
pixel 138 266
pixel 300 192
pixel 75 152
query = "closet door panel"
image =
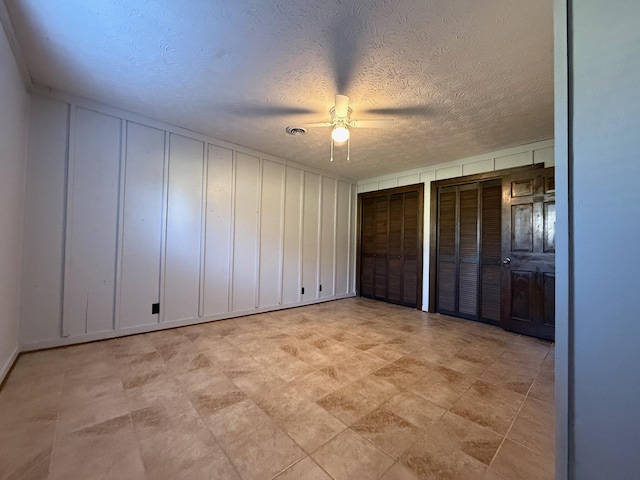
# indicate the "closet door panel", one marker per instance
pixel 271 233
pixel 245 232
pixel 491 271
pixel 184 222
pixel 142 225
pixel 218 230
pixel 92 225
pixel 447 249
pixel 292 236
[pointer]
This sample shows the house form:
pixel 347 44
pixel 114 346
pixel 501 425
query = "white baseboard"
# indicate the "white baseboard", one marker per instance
pixel 8 364
pixel 123 332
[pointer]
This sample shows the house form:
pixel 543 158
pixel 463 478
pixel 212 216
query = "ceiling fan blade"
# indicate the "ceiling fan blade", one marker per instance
pixel 265 110
pixel 315 125
pixel 421 110
pixel 381 123
pixel 342 105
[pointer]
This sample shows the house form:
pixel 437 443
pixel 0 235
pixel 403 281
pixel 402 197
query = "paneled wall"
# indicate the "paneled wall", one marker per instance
pixel 533 153
pixel 133 213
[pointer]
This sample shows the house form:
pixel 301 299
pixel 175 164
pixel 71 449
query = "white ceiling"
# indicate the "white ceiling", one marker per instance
pixel 460 77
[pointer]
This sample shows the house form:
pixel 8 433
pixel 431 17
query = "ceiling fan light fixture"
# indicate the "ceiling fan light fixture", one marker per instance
pixel 340 134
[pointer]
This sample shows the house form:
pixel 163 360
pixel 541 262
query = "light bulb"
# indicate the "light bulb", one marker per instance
pixel 340 134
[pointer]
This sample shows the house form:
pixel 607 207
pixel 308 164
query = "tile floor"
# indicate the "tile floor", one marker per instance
pixel 350 389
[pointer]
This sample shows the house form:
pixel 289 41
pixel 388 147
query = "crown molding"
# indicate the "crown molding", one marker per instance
pixel 9 30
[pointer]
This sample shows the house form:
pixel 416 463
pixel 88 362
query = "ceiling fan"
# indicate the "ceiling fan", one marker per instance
pixel 341 122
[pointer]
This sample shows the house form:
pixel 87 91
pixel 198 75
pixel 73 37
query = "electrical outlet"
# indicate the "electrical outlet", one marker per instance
pixel 155 308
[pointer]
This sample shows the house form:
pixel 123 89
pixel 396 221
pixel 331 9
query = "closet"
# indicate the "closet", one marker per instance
pixel 390 246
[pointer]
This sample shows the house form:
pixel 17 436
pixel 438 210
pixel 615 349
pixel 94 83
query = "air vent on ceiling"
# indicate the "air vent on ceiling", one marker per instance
pixel 296 131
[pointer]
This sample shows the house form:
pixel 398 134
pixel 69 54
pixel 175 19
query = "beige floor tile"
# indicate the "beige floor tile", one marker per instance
pixel 538 411
pixel 315 385
pixel 251 397
pixel 442 386
pixel 385 429
pixel 516 462
pixel 311 426
pixel 400 472
pixel 187 450
pixel 533 435
pixel 415 409
pixel 489 405
pixel 305 469
pixel 107 450
pixel 350 456
pixel 444 455
pixel 263 452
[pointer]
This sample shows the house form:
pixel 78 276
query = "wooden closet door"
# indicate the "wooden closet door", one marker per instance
pixel 528 277
pixel 491 252
pixel 390 250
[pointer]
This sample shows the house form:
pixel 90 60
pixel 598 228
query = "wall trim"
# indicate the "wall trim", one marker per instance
pixel 154 327
pixel 9 363
pixel 12 38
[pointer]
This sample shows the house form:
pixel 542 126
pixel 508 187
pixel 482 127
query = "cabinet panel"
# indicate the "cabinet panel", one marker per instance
pixel 310 237
pixel 271 233
pixel 327 233
pixel 184 221
pixel 291 268
pixel 142 225
pixel 247 190
pixel 90 261
pixel 218 230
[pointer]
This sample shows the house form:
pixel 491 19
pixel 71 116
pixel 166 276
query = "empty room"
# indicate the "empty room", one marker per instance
pixel 319 239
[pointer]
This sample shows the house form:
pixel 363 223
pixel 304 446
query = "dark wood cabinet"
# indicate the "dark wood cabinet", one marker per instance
pixel 390 246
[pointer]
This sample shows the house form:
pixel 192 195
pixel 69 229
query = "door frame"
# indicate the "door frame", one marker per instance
pixel 433 226
pixel 416 187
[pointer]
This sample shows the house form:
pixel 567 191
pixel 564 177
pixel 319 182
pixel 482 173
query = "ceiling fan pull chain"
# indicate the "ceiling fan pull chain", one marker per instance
pixel 348 148
pixel 332 149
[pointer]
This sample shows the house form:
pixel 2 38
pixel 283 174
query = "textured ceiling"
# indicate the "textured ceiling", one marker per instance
pixel 460 77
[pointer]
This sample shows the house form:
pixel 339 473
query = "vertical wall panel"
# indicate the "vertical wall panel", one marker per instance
pixel 218 230
pixel 89 289
pixel 327 237
pixel 292 229
pixel 142 225
pixel 271 233
pixel 44 220
pixel 246 232
pixel 310 244
pixel 342 238
pixel 182 263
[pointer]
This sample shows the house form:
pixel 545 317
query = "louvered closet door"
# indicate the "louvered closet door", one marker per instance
pixel 468 251
pixel 391 245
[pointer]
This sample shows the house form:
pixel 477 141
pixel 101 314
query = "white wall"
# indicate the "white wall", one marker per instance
pixel 124 212
pixel 13 130
pixel 539 152
pixel 604 169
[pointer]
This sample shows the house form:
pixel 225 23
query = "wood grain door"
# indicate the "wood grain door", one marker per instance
pixel 469 251
pixel 528 253
pixel 390 247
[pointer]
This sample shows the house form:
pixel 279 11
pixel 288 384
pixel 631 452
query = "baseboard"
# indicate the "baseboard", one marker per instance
pixel 8 364
pixel 154 327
